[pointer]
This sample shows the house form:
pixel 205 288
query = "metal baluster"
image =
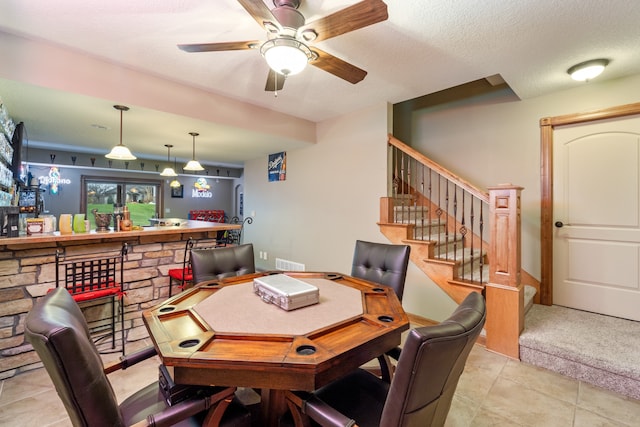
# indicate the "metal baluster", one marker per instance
pixel 396 182
pixel 423 206
pixel 446 220
pixel 439 210
pixel 430 194
pixel 463 230
pixel 481 226
pixel 472 225
pixel 407 215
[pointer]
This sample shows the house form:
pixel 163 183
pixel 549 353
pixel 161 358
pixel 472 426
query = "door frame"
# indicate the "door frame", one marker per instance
pixel 547 126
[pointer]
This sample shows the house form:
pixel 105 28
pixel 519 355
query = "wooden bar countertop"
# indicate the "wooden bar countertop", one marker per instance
pixel 42 239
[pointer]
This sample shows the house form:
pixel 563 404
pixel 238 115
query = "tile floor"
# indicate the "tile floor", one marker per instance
pixel 493 391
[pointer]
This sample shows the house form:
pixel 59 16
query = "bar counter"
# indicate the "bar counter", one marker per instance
pixel 28 271
pixel 191 226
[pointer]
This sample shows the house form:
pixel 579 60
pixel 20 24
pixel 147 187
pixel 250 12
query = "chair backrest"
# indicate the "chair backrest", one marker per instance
pixel 430 365
pixel 232 237
pixel 381 263
pixel 58 332
pixel 218 263
pixel 93 276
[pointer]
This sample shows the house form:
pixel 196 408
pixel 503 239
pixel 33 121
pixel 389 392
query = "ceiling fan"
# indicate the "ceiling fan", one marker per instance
pixel 286 49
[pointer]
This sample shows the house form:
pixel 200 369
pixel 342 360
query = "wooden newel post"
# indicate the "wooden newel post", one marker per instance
pixel 504 292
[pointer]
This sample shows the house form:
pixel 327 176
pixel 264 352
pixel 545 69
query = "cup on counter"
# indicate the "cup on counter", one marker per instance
pixel 49 223
pixel 65 224
pixel 78 223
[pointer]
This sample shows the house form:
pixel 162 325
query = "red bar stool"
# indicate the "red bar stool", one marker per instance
pixel 93 278
pixel 182 276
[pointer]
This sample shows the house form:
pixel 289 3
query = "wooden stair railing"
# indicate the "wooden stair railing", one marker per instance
pixel 444 219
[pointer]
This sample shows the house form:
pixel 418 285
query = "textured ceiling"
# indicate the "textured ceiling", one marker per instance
pixel 424 47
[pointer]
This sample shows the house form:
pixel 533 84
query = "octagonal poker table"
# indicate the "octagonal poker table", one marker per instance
pixel 221 333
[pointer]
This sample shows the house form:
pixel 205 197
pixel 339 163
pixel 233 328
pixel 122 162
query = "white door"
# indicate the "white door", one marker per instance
pixel 597 216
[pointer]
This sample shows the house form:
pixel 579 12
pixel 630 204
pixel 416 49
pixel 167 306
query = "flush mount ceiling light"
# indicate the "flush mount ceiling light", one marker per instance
pixel 193 164
pixel 286 55
pixel 587 70
pixel 168 171
pixel 120 152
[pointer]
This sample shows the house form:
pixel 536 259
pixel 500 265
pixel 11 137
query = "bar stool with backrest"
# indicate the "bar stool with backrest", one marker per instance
pixel 59 334
pixel 232 237
pixel 218 263
pixel 90 278
pixel 182 276
pixel 420 394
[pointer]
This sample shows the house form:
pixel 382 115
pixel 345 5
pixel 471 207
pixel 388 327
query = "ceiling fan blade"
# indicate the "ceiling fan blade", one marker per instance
pixel 213 47
pixel 275 81
pixel 260 13
pixel 337 67
pixel 351 18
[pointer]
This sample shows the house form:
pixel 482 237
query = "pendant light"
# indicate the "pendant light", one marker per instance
pixel 168 171
pixel 120 152
pixel 175 182
pixel 193 164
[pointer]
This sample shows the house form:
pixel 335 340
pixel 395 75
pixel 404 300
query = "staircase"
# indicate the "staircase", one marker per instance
pixel 466 240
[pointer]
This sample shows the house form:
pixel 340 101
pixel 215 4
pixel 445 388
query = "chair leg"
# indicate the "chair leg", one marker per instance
pixel 122 322
pixel 299 419
pixel 113 322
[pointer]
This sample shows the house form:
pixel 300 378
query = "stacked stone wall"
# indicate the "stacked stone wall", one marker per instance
pixel 27 272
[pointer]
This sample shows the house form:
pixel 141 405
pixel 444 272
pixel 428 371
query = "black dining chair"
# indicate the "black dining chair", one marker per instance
pixel 58 332
pixel 381 263
pixel 385 264
pixel 218 263
pixel 420 393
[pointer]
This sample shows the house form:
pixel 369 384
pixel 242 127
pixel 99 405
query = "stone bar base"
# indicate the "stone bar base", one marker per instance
pixel 27 272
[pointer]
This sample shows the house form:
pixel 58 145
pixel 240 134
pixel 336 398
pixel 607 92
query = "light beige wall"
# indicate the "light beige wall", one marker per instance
pixel 329 199
pixel 498 143
pixel 331 194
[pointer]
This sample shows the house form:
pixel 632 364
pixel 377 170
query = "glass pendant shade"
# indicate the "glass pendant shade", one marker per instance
pixel 286 56
pixel 168 171
pixel 175 182
pixel 193 164
pixel 120 152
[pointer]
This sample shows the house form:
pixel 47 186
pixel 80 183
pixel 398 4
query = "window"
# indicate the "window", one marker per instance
pixel 142 197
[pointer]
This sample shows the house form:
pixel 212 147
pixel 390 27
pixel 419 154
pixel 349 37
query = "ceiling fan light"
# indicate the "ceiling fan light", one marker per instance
pixel 285 55
pixel 193 165
pixel 587 70
pixel 120 152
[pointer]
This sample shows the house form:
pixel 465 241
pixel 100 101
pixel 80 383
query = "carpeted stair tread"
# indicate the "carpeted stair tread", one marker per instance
pixel 601 350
